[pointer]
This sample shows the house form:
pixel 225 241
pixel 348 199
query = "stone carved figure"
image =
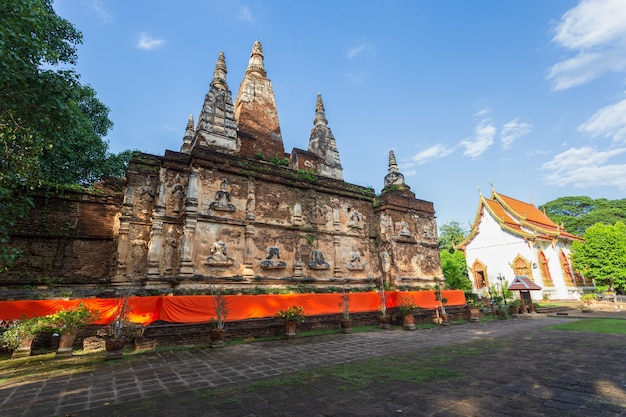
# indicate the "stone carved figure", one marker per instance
pixel 178 195
pixel 356 220
pixel 138 254
pixel 386 226
pixel 171 245
pixel 147 195
pixel 317 260
pixel 219 255
pixel 222 199
pixel 318 214
pixel 404 229
pixel 354 259
pixel 272 259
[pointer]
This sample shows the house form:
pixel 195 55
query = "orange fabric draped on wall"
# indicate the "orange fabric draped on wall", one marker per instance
pixel 200 308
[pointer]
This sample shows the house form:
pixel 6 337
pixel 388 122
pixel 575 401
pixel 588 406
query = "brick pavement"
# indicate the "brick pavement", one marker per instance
pixel 547 373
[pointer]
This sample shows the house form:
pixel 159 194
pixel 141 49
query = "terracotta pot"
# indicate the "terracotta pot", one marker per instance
pixel 290 328
pixel 217 338
pixel 66 341
pixel 114 347
pixel 408 322
pixel 346 325
pixel 24 349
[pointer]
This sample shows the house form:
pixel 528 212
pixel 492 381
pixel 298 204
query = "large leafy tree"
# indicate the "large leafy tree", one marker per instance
pixel 602 256
pixel 579 213
pixel 453 263
pixel 51 126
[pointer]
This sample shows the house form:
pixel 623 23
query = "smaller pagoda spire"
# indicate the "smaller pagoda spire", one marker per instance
pixel 188 138
pixel 255 64
pixel 393 165
pixel 320 114
pixel 394 177
pixel 219 75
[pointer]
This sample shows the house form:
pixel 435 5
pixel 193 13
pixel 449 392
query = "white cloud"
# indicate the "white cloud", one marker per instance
pixel 148 43
pixel 363 47
pixel 481 141
pixel 596 31
pixel 432 153
pixel 98 7
pixel 609 122
pixel 513 130
pixel 245 14
pixel 586 167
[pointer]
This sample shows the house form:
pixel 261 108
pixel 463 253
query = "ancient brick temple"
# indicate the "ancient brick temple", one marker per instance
pixel 232 208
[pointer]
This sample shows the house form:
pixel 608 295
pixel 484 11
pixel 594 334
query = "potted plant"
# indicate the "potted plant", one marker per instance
pixel 18 336
pixel 407 308
pixel 67 322
pixel 474 305
pixel 292 315
pixel 344 305
pixel 218 334
pixel 514 306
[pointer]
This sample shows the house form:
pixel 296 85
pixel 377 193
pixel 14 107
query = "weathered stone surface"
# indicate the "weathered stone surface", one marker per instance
pixel 235 210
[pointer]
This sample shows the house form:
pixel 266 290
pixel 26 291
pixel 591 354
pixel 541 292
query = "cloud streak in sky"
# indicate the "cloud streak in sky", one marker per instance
pixel 595 30
pixel 362 48
pixel 481 141
pixel 609 122
pixel 586 167
pixel 148 43
pixel 512 131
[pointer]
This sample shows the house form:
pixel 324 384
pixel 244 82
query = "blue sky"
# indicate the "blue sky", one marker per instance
pixel 526 94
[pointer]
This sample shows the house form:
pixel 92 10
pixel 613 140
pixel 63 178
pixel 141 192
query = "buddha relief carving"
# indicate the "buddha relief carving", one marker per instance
pixel 356 220
pixel 147 195
pixel 318 214
pixel 222 199
pixel 219 255
pixel 317 260
pixel 272 259
pixel 354 259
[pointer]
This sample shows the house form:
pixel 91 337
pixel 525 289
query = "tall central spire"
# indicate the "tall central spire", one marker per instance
pixel 255 110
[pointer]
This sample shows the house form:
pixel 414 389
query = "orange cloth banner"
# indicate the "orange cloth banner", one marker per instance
pixel 200 308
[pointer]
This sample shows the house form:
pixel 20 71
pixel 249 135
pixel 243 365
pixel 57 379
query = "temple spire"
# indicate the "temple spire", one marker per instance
pixel 322 143
pixel 320 115
pixel 217 127
pixel 188 138
pixel 255 111
pixel 255 64
pixel 394 178
pixel 219 75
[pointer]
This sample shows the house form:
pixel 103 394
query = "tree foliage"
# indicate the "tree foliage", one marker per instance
pixel 454 267
pixel 602 256
pixel 51 126
pixel 453 263
pixel 451 234
pixel 579 213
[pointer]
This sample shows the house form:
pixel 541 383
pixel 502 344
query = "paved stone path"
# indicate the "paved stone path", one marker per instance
pixel 552 373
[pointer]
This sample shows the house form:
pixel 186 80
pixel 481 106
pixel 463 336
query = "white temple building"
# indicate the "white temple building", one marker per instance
pixel 512 238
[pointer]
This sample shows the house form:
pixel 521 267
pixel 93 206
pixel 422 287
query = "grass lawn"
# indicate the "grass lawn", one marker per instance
pixel 611 326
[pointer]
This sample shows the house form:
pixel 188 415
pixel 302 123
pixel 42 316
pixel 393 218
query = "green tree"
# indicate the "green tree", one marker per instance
pixel 454 268
pixel 51 126
pixel 576 214
pixel 451 234
pixel 453 263
pixel 602 256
